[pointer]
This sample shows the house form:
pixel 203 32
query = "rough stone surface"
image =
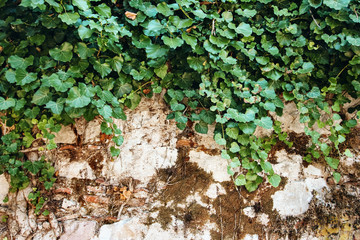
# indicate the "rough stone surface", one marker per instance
pixel 211 164
pixel 79 230
pixel 172 184
pixel 4 187
pixel 293 200
pixel 150 143
pixel 65 135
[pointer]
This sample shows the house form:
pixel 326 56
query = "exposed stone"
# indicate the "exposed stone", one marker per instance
pixel 261 132
pixel 150 143
pixel 68 203
pixel 251 237
pixel 92 131
pixel 293 200
pixel 290 120
pixel 250 212
pixel 263 218
pixel 312 171
pixel 79 230
pixel 96 199
pixel 288 166
pixel 65 135
pixel 78 169
pixel 215 190
pixel 4 187
pixel 211 164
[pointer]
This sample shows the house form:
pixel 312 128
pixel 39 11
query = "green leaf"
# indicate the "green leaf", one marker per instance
pixel 123 89
pixel 190 40
pixel 116 63
pixel 333 162
pixel 337 177
pixel 348 153
pixel 240 180
pixel 103 10
pixel 337 4
pixel 20 63
pixel 69 18
pixel 103 68
pixel 56 107
pixel 153 28
pixel 114 151
pixel 232 132
pixel 266 166
pixel 314 93
pixel 81 4
pixel 201 127
pixel 83 51
pixel 172 42
pixel 244 29
pixel 42 96
pixel 274 180
pixel 180 23
pixel 161 71
pixel 207 116
pixel 164 9
pixel 196 63
pixel 77 97
pixel 234 147
pixel 84 32
pixel 64 53
pixel 219 139
pixel 156 51
pixel 264 122
pixel 105 111
pixel 23 77
pixel 6 104
pixel 33 167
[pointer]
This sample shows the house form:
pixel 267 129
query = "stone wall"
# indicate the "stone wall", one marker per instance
pixel 172 184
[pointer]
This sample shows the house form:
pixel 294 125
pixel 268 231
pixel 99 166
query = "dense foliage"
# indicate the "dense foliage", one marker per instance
pixel 226 62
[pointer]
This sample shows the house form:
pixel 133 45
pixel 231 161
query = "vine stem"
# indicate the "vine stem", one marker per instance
pixel 143 85
pixel 184 12
pixel 342 71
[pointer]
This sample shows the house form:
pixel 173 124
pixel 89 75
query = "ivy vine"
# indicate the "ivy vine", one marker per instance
pixel 229 63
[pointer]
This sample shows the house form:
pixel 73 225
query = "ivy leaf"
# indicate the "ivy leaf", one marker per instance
pixel 337 4
pixel 207 116
pixel 201 127
pixel 23 77
pixel 64 53
pixel 337 177
pixel 84 32
pixel 77 97
pixel 234 147
pixel 314 93
pixel 180 23
pixel 81 4
pixel 103 10
pixel 161 71
pixel 42 96
pixel 274 180
pixel 190 40
pixel 244 29
pixel 172 42
pixel 69 18
pixel 164 9
pixel 33 167
pixel 240 180
pixel 114 151
pixel 247 128
pixel 123 89
pixel 56 107
pixel 6 104
pixel 156 51
pixel 264 122
pixel 105 111
pixel 83 51
pixel 348 153
pixel 196 63
pixel 153 28
pixel 20 63
pixel 102 68
pixel 333 162
pixel 219 139
pixel 232 132
pixel 116 63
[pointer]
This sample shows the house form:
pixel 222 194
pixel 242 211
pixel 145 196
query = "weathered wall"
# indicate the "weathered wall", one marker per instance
pixel 172 184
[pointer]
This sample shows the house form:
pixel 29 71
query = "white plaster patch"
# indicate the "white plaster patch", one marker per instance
pixel 249 211
pixel 149 143
pixel 315 184
pixel 312 171
pixel 4 188
pixel 290 120
pixel 215 190
pixel 288 166
pixel 92 131
pixel 211 164
pixel 80 169
pixel 293 200
pixel 251 237
pixel 68 203
pixel 263 219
